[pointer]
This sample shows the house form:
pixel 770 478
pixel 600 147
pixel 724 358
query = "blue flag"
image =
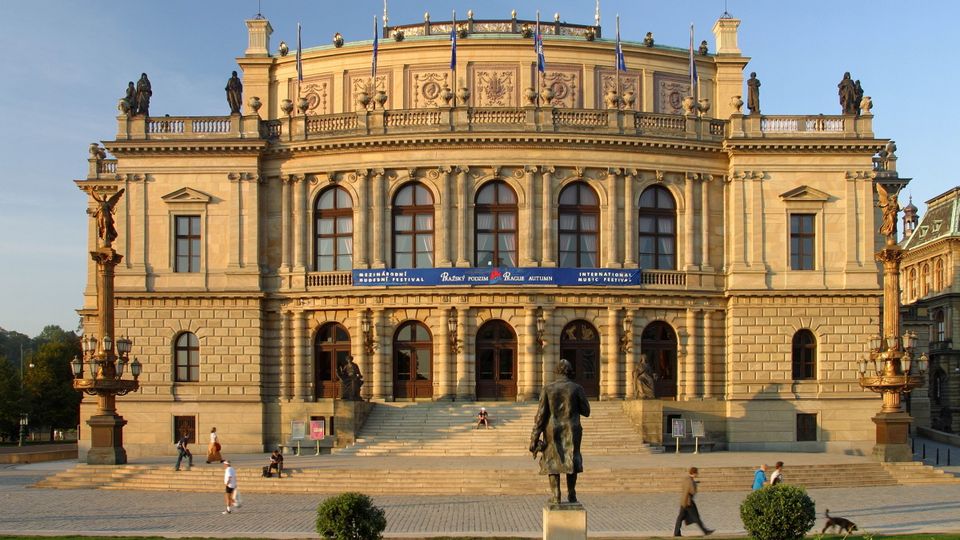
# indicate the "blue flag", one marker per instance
pixel 538 46
pixel 453 43
pixel 621 63
pixel 299 56
pixel 376 45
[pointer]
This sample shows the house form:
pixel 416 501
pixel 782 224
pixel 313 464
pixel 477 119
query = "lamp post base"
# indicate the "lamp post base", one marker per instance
pixel 892 430
pixel 106 440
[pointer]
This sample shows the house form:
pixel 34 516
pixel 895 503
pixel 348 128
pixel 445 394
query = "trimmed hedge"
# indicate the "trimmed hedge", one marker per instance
pixel 779 512
pixel 350 516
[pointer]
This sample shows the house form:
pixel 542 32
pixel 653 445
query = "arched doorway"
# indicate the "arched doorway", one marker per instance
pixel 496 361
pixel 659 343
pixel 331 346
pixel 412 361
pixel 580 345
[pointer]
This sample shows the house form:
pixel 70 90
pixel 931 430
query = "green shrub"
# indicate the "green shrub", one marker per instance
pixel 780 512
pixel 350 516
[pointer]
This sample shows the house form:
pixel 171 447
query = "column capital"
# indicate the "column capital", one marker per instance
pixel 463 169
pixel 243 177
pixel 531 169
pixel 445 169
pixel 614 171
pixel 548 169
pixel 631 173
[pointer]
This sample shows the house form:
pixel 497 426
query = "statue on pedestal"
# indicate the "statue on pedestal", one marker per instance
pixel 130 98
pixel 753 94
pixel 144 91
pixel 234 93
pixel 848 94
pixel 557 431
pixel 350 379
pixel 643 379
pixel 888 224
pixel 106 206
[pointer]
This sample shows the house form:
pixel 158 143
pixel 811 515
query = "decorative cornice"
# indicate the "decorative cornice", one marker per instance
pixel 870 146
pixel 243 177
pixel 860 175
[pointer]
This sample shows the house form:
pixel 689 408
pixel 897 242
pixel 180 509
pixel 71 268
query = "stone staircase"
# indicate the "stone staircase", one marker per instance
pixel 448 429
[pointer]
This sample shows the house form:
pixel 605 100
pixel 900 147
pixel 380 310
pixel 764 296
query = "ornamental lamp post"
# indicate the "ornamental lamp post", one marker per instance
pixel 887 367
pixel 106 363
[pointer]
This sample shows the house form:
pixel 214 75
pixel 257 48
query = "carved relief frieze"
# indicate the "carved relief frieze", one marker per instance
pixel 566 82
pixel 360 81
pixel 607 81
pixel 318 91
pixel 669 91
pixel 495 85
pixel 425 87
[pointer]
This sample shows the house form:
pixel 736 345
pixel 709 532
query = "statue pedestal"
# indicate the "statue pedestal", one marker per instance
pixel 564 521
pixel 106 440
pixel 892 431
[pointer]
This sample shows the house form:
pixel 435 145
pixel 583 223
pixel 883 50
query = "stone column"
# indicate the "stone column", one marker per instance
pixel 382 359
pixel 688 234
pixel 735 221
pixel 445 215
pixel 300 224
pixel 705 221
pixel 611 356
pixel 235 230
pixel 551 349
pixel 300 356
pixel 631 356
pixel 757 258
pixel 690 358
pixel 445 389
pixel 463 258
pixel 612 222
pixel 629 220
pixel 528 217
pixel 549 226
pixel 250 214
pixel 361 222
pixel 466 383
pixel 709 319
pixel 285 225
pixel 527 362
pixel 378 218
pixel 284 360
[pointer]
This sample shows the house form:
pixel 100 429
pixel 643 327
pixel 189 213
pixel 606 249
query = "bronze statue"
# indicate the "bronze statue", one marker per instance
pixel 858 96
pixel 643 379
pixel 557 431
pixel 350 379
pixel 106 206
pixel 888 225
pixel 648 40
pixel 144 92
pixel 131 98
pixel 753 94
pixel 704 48
pixel 234 93
pixel 848 94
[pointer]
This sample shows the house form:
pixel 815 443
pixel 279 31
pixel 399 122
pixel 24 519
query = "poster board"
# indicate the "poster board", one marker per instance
pixel 318 429
pixel 696 426
pixel 679 428
pixel 298 430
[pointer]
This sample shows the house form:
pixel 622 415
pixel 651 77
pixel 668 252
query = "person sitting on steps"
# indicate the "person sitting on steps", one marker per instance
pixel 276 463
pixel 483 419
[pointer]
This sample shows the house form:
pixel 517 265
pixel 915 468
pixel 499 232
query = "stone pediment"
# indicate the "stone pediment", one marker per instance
pixel 804 193
pixel 187 195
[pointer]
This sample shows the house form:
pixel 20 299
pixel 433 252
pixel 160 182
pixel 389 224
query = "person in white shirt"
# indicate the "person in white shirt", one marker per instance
pixel 230 485
pixel 777 475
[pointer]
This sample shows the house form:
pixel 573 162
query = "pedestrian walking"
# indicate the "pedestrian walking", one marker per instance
pixel 183 451
pixel 689 513
pixel 213 450
pixel 777 476
pixel 230 485
pixel 760 477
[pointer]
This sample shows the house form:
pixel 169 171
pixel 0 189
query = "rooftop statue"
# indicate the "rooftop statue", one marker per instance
pixel 557 431
pixel 753 94
pixel 106 207
pixel 858 93
pixel 234 93
pixel 144 91
pixel 130 99
pixel 848 94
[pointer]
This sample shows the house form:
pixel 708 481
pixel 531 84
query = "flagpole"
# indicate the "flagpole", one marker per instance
pixel 539 41
pixel 299 62
pixel 616 60
pixel 373 70
pixel 453 66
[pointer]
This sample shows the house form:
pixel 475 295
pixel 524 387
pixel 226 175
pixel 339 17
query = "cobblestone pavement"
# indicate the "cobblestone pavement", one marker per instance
pixel 904 509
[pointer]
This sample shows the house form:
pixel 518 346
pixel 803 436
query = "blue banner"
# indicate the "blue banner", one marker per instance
pixel 567 277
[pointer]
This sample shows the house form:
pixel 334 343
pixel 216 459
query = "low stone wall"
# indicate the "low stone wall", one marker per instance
pixel 38 455
pixel 939 436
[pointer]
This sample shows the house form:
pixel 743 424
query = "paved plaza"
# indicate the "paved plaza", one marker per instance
pixel 887 510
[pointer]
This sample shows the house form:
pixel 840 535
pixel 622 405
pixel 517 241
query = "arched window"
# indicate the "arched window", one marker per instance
pixel 658 229
pixel 925 280
pixel 186 353
pixel 413 227
pixel 496 225
pixel 938 276
pixel 579 227
pixel 804 355
pixel 333 231
pixel 912 285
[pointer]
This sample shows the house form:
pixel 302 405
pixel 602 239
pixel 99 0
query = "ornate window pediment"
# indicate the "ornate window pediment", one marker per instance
pixel 805 194
pixel 187 195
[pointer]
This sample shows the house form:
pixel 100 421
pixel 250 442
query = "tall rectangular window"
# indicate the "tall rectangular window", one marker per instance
pixel 187 244
pixel 802 237
pixel 806 427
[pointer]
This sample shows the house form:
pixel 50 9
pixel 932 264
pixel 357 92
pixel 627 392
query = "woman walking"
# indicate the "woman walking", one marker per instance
pixel 213 450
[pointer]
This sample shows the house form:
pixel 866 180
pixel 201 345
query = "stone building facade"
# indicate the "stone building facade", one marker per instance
pixel 459 231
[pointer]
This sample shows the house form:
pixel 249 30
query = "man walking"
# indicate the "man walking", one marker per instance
pixel 688 508
pixel 183 451
pixel 230 485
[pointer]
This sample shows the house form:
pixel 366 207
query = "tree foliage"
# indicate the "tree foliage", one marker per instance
pixel 350 516
pixel 778 512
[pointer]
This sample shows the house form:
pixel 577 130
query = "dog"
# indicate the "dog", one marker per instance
pixel 843 525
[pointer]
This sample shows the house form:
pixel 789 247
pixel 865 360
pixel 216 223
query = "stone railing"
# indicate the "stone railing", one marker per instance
pixel 663 277
pixel 107 166
pixel 329 279
pixel 412 118
pixel 511 116
pixel 659 123
pixel 326 124
pixel 188 127
pixel 580 118
pixel 811 126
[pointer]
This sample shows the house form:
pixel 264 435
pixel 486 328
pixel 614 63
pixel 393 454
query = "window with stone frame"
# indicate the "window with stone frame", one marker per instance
pixel 495 225
pixel 925 280
pixel 804 355
pixel 185 425
pixel 806 427
pixel 413 227
pixel 912 284
pixel 939 325
pixel 578 227
pixel 802 241
pixel 333 231
pixel 657 229
pixel 938 276
pixel 186 352
pixel 186 244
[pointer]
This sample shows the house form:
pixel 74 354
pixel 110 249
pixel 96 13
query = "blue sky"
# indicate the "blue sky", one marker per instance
pixel 65 64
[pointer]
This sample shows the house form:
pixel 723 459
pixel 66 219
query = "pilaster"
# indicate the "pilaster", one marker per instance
pixel 528 217
pixel 377 215
pixel 549 228
pixel 688 234
pixel 613 220
pixel 629 219
pixel 284 360
pixel 445 213
pixel 382 368
pixel 361 229
pixel 299 356
pixel 705 263
pixel 611 356
pixel 528 367
pixel 463 260
pixel 285 223
pixel 466 372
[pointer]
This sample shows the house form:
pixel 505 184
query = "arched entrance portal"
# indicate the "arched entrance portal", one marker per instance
pixel 331 346
pixel 580 344
pixel 659 343
pixel 412 362
pixel 496 361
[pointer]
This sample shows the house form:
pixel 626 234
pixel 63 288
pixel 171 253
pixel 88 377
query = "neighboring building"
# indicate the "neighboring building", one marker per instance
pixel 459 251
pixel 931 301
